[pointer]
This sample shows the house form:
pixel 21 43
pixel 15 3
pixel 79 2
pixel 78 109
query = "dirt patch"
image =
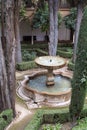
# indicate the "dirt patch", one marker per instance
pixel 67 126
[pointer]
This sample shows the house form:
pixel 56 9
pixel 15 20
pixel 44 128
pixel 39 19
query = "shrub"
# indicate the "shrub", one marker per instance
pixel 5 118
pixel 28 56
pixel 71 66
pixel 26 65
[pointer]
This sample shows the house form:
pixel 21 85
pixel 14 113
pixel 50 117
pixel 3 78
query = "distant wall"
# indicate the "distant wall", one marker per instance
pixel 25 30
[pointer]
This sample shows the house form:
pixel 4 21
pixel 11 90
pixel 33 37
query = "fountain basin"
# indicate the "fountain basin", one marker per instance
pixel 43 96
pixel 50 62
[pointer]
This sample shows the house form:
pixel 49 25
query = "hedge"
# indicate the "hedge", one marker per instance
pixel 41 52
pixel 34 46
pixel 5 118
pixel 36 121
pixel 64 54
pixel 51 116
pixel 26 65
pixel 71 66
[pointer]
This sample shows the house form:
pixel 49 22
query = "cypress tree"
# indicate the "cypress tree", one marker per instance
pixel 80 72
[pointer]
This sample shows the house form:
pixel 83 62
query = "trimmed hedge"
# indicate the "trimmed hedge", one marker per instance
pixel 41 52
pixel 34 46
pixel 71 66
pixel 36 121
pixel 26 65
pixel 64 54
pixel 51 116
pixel 5 118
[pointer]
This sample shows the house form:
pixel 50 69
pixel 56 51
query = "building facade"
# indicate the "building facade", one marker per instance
pixel 26 31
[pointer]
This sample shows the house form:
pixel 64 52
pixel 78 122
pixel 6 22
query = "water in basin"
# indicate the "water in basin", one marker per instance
pixel 62 84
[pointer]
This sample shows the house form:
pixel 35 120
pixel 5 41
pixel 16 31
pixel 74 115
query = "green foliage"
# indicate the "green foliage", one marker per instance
pixel 82 124
pixel 79 84
pixel 71 65
pixel 40 52
pixel 28 56
pixel 26 65
pixel 64 53
pixel 5 118
pixel 52 116
pixel 41 19
pixel 50 127
pixel 22 13
pixel 70 19
pixel 38 45
pixel 36 122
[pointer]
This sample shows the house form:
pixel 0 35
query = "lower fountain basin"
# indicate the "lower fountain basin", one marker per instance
pixel 34 87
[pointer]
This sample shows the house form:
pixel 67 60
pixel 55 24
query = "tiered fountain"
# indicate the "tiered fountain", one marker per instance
pixel 46 87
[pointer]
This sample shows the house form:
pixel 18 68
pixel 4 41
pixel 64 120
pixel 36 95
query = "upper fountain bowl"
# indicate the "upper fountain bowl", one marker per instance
pixel 53 62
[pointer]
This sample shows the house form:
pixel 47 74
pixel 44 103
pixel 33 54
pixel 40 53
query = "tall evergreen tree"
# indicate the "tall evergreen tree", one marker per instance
pixel 79 83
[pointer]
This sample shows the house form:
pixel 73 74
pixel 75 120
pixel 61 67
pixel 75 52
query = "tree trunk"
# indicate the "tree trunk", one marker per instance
pixel 78 23
pixel 3 26
pixel 71 34
pixel 4 92
pixel 55 9
pixel 10 44
pixel 17 32
pixel 53 37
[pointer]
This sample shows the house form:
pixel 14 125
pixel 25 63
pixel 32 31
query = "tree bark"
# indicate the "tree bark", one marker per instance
pixel 3 26
pixel 10 44
pixel 4 92
pixel 78 23
pixel 17 32
pixel 51 36
pixel 55 25
pixel 53 16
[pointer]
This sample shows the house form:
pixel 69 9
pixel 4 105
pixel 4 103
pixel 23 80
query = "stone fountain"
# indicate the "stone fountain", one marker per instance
pixel 50 63
pixel 46 88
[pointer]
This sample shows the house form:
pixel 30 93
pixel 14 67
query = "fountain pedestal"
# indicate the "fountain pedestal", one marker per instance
pixel 50 78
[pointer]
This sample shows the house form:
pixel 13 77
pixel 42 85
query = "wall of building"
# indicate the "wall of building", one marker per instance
pixel 25 30
pixel 64 33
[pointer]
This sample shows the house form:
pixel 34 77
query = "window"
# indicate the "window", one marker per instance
pixel 28 38
pixel 29 3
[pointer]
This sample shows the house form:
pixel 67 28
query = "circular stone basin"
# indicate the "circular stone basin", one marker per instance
pixel 50 62
pixel 35 88
pixel 38 84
